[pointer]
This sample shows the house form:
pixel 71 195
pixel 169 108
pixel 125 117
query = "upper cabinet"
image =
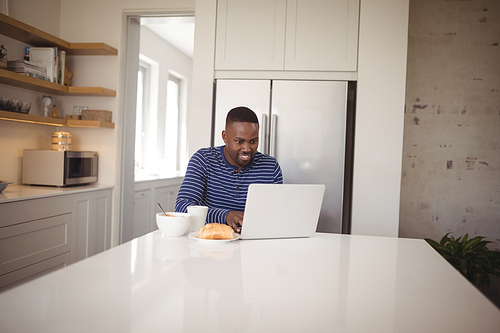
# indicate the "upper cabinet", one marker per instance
pixel 290 35
pixel 250 34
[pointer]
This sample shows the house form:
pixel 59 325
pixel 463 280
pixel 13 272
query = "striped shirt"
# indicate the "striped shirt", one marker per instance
pixel 211 181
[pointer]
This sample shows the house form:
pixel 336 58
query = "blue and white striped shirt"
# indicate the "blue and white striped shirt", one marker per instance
pixel 211 181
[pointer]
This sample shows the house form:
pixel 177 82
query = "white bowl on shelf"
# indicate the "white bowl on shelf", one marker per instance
pixel 173 224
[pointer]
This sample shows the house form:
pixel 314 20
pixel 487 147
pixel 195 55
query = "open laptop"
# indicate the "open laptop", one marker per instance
pixel 282 210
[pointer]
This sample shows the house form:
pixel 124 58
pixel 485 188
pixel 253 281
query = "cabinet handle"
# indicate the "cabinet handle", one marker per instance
pixel 274 124
pixel 265 134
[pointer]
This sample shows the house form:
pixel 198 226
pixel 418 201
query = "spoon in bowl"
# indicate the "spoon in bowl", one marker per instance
pixel 163 210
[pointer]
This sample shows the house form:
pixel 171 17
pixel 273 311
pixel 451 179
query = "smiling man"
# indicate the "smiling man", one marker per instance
pixel 218 177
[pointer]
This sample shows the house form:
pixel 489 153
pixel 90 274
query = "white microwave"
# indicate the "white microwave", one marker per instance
pixel 59 168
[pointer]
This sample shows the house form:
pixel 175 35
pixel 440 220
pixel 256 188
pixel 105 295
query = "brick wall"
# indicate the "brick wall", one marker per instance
pixel 451 151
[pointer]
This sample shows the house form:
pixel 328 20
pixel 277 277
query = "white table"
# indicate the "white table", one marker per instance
pixel 327 283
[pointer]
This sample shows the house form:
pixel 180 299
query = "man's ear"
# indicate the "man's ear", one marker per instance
pixel 224 136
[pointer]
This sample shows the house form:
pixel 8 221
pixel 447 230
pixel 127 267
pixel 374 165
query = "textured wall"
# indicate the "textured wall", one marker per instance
pixel 451 151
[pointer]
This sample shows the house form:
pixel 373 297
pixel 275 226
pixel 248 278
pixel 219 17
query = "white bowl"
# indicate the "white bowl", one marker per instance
pixel 3 185
pixel 175 225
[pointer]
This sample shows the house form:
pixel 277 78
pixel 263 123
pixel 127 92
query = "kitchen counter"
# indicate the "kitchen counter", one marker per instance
pixel 23 192
pixel 326 283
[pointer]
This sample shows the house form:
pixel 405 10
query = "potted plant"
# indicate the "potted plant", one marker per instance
pixel 471 257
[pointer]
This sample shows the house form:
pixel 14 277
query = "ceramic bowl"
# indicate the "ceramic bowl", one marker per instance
pixel 3 185
pixel 173 224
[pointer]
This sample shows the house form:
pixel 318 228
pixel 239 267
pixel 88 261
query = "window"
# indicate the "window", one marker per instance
pixel 172 123
pixel 160 142
pixel 141 114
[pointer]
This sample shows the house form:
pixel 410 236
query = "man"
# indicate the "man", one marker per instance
pixel 218 177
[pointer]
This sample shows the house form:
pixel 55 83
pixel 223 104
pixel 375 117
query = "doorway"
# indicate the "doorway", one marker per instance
pixel 156 61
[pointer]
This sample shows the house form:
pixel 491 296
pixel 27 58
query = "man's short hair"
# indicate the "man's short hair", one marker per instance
pixel 241 114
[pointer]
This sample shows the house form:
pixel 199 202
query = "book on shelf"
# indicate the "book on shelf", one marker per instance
pixel 61 65
pixel 43 77
pixel 23 66
pixel 45 57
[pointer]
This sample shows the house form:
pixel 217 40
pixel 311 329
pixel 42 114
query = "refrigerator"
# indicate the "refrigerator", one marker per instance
pixel 306 126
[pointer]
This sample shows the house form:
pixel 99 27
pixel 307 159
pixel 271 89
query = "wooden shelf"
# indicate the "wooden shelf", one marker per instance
pixel 28 118
pixel 90 91
pixel 30 35
pixel 31 83
pixel 90 124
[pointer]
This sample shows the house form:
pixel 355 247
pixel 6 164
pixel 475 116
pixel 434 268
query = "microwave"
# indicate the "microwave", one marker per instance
pixel 59 168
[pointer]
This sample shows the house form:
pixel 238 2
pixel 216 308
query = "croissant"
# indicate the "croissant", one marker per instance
pixel 216 231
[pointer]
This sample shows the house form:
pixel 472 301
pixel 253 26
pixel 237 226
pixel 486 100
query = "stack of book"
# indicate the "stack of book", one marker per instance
pixel 50 59
pixel 28 68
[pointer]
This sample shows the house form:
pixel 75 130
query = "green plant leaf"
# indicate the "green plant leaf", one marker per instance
pixel 473 244
pixel 463 266
pixel 465 238
pixel 481 245
pixel 439 248
pixel 445 239
pixel 471 257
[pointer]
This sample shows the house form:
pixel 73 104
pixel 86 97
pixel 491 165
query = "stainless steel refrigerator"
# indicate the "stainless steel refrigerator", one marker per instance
pixel 306 127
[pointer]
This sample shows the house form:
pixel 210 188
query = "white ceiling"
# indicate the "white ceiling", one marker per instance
pixel 178 31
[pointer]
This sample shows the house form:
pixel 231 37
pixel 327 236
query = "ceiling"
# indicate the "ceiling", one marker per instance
pixel 178 31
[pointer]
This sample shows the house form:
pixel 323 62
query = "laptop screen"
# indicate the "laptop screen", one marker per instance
pixel 282 210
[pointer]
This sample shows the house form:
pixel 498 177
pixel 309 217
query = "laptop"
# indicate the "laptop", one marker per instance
pixel 282 210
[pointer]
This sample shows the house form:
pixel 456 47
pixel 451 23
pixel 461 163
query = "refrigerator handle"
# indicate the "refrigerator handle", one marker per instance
pixel 264 134
pixel 272 139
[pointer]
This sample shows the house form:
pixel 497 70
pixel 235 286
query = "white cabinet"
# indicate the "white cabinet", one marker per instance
pixel 35 238
pixel 91 224
pixel 166 197
pixel 290 35
pixel 250 34
pixel 322 35
pixel 41 234
pixel 146 196
pixel 143 222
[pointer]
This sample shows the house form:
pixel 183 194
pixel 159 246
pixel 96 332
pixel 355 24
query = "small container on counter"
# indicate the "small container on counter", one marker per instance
pixel 61 141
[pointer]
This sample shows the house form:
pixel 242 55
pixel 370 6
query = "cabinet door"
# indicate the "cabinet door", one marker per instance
pixel 25 244
pixel 142 213
pixel 250 34
pixel 91 224
pixel 102 202
pixel 166 197
pixel 34 271
pixel 322 35
pixel 83 225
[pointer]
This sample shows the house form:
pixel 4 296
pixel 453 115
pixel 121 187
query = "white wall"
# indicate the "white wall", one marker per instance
pixel 383 36
pixel 42 14
pixel 200 119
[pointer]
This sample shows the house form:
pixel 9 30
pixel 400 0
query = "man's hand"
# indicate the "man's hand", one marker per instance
pixel 234 219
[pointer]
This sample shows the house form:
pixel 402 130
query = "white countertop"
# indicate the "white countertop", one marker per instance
pixel 327 283
pixel 25 192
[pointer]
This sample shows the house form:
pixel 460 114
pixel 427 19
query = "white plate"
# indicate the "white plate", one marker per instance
pixel 194 235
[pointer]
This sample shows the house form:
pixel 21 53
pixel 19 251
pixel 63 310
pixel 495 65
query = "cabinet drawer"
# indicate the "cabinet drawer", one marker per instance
pixel 31 272
pixel 34 209
pixel 28 243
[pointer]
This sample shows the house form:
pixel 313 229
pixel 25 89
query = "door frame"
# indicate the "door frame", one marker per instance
pixel 126 136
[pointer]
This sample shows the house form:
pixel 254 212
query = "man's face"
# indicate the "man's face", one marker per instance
pixel 242 139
